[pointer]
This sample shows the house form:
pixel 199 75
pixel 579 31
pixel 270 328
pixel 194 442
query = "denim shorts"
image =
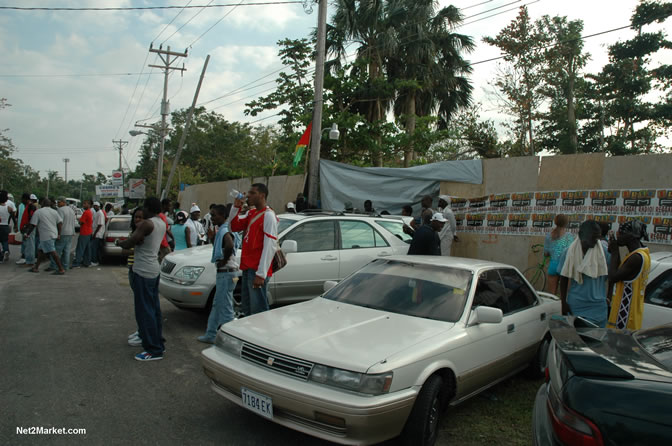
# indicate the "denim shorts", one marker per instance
pixel 48 245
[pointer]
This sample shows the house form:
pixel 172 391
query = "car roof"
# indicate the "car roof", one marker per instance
pixel 455 262
pixel 327 214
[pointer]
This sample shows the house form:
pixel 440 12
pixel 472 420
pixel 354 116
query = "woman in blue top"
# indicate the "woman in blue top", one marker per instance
pixel 181 231
pixel 556 243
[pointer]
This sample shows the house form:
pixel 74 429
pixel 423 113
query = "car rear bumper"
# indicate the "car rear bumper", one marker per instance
pixel 111 250
pixel 297 403
pixel 542 430
pixel 184 296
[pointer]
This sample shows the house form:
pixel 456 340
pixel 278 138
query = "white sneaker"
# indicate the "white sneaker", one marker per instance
pixel 94 264
pixel 21 262
pixel 7 255
pixel 135 342
pixel 135 334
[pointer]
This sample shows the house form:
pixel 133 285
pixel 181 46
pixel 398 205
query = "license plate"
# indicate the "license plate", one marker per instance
pixel 257 402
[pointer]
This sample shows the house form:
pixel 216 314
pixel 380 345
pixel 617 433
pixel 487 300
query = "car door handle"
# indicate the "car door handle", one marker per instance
pixel 384 254
pixel 510 328
pixel 330 258
pixel 542 316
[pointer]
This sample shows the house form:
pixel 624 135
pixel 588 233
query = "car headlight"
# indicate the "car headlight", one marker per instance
pixel 187 275
pixel 353 381
pixel 229 344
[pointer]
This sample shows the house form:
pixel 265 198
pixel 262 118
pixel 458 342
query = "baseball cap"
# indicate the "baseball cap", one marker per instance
pixel 194 208
pixel 446 198
pixel 290 205
pixel 96 203
pixel 33 197
pixel 438 216
pixel 59 199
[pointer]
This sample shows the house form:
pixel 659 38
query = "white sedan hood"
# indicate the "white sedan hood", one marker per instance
pixel 335 334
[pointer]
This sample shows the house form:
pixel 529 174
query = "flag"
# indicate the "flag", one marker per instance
pixel 301 146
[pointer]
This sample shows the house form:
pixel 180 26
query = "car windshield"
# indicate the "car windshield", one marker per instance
pixel 284 223
pixel 119 224
pixel 657 342
pixel 426 291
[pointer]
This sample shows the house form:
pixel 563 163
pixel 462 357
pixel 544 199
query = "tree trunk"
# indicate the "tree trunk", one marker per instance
pixel 571 116
pixel 409 154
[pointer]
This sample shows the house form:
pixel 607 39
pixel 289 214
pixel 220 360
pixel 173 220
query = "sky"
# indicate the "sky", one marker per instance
pixel 66 73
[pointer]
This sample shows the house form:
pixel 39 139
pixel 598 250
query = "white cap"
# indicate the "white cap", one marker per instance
pixel 446 198
pixel 438 216
pixel 96 203
pixel 290 205
pixel 33 197
pixel 194 208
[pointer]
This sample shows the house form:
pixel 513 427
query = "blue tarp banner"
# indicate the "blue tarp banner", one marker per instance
pixel 390 188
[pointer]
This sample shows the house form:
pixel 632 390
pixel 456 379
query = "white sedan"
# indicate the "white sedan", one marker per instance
pixel 381 353
pixel 658 300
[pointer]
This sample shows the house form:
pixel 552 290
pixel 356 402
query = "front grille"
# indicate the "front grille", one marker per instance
pixel 276 361
pixel 167 267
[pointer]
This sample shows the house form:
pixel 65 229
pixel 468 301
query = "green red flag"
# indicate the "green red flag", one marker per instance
pixel 301 146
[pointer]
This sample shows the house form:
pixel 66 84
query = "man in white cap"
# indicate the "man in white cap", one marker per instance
pixel 426 238
pixel 290 208
pixel 196 230
pixel 98 234
pixel 447 234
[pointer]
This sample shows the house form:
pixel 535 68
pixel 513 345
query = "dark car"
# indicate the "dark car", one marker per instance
pixel 605 387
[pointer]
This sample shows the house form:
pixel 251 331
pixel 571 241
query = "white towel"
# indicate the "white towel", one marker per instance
pixel 593 264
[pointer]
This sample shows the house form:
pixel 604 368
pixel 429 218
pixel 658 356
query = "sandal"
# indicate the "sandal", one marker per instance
pixel 33 270
pixel 58 273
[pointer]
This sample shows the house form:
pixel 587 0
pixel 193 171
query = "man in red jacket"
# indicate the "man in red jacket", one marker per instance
pixel 259 246
pixel 83 253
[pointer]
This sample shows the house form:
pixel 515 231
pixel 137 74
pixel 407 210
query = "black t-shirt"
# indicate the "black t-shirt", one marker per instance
pixel 425 242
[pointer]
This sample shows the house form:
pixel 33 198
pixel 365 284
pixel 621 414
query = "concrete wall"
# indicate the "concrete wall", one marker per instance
pixel 281 190
pixel 563 172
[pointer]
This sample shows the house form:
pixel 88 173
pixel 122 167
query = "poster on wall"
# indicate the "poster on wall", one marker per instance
pixel 532 213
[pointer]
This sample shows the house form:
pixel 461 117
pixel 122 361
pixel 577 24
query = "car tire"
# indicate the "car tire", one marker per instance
pixel 537 367
pixel 422 426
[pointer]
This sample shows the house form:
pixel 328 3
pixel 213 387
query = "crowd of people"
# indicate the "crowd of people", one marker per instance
pixel 593 281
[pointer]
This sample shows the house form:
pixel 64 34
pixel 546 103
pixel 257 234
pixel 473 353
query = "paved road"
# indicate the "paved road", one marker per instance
pixel 65 363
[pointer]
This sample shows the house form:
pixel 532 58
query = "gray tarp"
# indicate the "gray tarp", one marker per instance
pixel 390 188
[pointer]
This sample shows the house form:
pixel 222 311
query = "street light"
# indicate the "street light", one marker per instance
pixel 137 132
pixel 333 132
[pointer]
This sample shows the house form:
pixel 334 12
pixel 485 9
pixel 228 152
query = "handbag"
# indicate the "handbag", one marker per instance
pixel 279 259
pixel 18 237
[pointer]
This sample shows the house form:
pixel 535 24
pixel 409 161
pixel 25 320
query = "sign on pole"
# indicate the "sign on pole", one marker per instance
pixel 108 191
pixel 117 178
pixel 136 188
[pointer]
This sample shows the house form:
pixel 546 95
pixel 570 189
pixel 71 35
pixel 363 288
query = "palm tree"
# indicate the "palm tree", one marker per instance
pixel 427 64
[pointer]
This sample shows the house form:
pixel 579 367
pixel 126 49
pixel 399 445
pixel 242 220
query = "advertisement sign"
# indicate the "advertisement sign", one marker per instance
pixel 117 178
pixel 136 188
pixel 532 213
pixel 108 191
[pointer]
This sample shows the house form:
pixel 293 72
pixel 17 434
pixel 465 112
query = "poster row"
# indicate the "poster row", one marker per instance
pixel 532 213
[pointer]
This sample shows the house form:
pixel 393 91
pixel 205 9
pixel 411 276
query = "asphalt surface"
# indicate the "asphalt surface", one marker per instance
pixel 65 362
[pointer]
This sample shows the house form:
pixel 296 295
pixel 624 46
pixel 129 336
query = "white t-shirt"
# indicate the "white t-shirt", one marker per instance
pixel 46 219
pixel 99 219
pixel 68 216
pixel 5 211
pixel 193 231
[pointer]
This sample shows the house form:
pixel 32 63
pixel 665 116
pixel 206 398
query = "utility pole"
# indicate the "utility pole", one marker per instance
pixel 120 147
pixel 164 194
pixel 314 166
pixel 167 60
pixel 66 161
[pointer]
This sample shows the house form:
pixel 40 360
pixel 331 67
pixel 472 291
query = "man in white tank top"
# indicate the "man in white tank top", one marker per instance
pixel 146 240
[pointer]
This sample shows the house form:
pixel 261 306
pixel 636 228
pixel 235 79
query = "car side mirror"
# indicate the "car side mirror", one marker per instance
pixel 486 315
pixel 289 246
pixel 329 284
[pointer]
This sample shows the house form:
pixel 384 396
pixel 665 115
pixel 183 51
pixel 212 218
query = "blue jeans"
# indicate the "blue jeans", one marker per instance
pixel 63 251
pixel 96 249
pixel 222 304
pixel 253 300
pixel 148 313
pixel 28 247
pixel 83 252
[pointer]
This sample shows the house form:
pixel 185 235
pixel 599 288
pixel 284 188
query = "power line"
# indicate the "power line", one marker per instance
pixel 216 23
pixel 169 23
pixel 143 8
pixel 130 101
pixel 76 75
pixel 187 22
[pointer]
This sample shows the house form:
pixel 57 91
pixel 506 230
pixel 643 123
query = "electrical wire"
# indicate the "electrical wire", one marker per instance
pixel 170 23
pixel 143 8
pixel 186 23
pixel 216 23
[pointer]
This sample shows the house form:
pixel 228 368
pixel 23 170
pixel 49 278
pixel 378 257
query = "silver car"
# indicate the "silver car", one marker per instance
pixel 319 248
pixel 384 351
pixel 118 227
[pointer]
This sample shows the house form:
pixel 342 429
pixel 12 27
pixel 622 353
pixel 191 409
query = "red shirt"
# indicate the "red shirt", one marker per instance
pixel 164 242
pixel 27 215
pixel 253 242
pixel 86 223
